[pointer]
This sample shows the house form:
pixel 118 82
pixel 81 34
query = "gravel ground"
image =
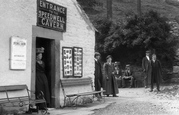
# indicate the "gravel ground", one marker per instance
pixel 139 101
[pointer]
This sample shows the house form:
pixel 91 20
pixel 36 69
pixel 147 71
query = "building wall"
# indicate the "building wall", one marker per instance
pixel 17 18
pixel 79 34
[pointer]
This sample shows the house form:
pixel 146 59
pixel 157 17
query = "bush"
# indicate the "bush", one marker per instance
pixel 127 42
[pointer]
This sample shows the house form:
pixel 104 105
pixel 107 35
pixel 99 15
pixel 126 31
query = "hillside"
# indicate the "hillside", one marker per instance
pixel 123 8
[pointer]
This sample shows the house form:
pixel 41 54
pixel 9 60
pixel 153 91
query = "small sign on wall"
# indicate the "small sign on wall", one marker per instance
pixel 78 61
pixel 18 53
pixel 67 61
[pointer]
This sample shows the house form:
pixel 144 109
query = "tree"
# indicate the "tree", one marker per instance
pixel 88 6
pixel 148 31
pixel 151 31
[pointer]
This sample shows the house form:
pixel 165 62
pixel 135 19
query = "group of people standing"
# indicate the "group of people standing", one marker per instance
pixel 152 69
pixel 106 76
pixel 108 82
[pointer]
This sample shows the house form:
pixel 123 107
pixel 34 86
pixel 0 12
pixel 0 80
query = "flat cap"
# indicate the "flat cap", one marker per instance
pixel 97 54
pixel 148 51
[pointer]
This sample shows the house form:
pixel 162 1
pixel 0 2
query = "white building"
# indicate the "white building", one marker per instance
pixel 26 19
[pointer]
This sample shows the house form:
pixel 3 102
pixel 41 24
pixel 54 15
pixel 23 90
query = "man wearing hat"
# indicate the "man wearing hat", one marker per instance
pixel 128 75
pixel 147 69
pixel 98 73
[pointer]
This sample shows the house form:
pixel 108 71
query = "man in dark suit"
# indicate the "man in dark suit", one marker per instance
pixel 147 69
pixel 128 75
pixel 98 81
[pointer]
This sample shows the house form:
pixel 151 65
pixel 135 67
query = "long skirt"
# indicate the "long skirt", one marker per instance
pixel 111 86
pixel 42 85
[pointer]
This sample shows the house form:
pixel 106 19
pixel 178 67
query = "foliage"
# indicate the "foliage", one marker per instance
pixel 150 31
pixel 89 5
pixel 127 36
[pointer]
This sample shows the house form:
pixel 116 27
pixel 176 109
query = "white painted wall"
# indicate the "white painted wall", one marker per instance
pixel 17 18
pixel 79 34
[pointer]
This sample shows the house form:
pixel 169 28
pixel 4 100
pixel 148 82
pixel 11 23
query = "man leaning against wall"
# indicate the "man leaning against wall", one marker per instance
pixel 98 81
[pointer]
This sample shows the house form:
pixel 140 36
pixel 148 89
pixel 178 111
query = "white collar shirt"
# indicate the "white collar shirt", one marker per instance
pixel 148 58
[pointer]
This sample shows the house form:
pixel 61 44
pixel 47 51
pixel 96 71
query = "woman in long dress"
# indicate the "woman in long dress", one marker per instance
pixel 41 81
pixel 110 83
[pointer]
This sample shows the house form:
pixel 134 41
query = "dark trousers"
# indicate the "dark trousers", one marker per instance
pixel 154 80
pixel 129 79
pixel 146 82
pixel 147 78
pixel 97 88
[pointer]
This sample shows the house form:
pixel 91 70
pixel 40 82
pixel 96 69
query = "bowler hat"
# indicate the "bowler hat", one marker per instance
pixel 148 51
pixel 109 56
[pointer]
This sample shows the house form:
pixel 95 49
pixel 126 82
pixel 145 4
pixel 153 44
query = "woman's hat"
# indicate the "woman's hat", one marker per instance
pixel 109 56
pixel 40 50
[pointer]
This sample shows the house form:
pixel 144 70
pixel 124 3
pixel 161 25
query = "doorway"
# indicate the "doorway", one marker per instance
pixel 49 61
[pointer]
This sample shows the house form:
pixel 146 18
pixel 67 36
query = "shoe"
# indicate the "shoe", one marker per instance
pixel 115 96
pixel 100 97
pixel 150 90
pixel 107 95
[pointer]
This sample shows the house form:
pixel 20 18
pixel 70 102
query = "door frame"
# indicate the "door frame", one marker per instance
pixel 56 36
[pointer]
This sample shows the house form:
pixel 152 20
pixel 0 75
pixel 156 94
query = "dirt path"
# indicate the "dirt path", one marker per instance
pixel 139 101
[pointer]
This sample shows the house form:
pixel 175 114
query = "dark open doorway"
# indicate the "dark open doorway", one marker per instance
pixel 49 60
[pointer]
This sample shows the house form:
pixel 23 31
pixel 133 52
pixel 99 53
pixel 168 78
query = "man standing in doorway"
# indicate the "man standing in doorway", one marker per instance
pixel 98 81
pixel 147 69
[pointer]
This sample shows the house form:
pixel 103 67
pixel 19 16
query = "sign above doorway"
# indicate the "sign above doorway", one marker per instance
pixel 51 16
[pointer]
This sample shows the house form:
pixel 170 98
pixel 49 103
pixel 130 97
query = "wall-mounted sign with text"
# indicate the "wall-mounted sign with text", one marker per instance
pixel 18 53
pixel 67 61
pixel 51 16
pixel 78 61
